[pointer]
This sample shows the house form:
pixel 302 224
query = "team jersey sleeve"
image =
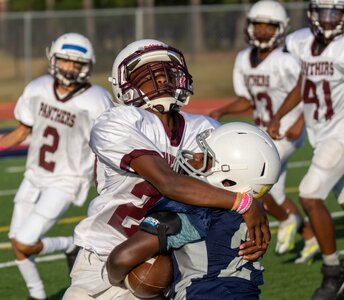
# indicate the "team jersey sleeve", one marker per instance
pixel 290 71
pixel 23 110
pixel 116 139
pixel 238 77
pixel 295 41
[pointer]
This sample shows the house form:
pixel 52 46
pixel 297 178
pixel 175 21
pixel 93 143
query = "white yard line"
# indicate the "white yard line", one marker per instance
pixel 38 259
pixel 298 164
pixel 7 192
pixel 15 169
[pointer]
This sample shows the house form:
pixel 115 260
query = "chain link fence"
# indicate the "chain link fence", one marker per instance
pixel 209 36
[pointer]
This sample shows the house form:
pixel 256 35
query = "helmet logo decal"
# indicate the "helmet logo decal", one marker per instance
pixel 74 47
pixel 151 46
pixel 262 191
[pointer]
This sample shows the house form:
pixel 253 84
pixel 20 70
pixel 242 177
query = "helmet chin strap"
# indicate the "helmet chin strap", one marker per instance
pixel 63 79
pixel 165 102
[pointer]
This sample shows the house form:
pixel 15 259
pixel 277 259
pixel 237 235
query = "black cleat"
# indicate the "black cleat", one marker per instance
pixel 71 255
pixel 32 298
pixel 332 284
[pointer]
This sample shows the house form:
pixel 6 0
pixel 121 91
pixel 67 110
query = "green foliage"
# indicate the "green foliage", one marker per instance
pixel 37 5
pixel 26 5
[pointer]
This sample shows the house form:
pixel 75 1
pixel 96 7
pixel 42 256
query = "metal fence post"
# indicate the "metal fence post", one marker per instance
pixel 27 46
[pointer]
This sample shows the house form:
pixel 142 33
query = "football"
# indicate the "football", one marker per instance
pixel 151 278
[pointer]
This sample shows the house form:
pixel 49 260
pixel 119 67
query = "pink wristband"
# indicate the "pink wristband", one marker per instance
pixel 2 148
pixel 245 203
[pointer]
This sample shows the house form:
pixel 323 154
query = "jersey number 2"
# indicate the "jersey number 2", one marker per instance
pixel 49 165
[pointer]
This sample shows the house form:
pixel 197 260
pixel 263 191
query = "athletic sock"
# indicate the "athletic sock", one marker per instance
pixel 331 260
pixel 311 241
pixel 29 272
pixel 55 244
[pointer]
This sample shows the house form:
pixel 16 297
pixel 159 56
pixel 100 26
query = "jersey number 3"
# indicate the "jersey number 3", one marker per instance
pixel 49 165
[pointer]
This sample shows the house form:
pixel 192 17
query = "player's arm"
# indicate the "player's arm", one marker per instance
pixel 294 132
pixel 293 99
pixel 15 137
pixel 196 192
pixel 239 105
pixel 132 252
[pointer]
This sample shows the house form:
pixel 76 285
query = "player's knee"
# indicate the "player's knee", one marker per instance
pixel 310 186
pixel 23 248
pixel 329 154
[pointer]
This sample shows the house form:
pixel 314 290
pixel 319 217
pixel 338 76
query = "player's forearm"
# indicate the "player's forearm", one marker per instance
pixel 195 192
pixel 15 137
pixel 239 105
pixel 293 99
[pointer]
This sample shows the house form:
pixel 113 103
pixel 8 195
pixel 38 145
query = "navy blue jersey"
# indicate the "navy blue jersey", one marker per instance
pixel 211 268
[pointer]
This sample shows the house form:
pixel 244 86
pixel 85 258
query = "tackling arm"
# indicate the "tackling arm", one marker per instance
pixel 196 192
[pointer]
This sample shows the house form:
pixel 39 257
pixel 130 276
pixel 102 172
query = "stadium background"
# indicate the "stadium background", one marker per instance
pixel 210 36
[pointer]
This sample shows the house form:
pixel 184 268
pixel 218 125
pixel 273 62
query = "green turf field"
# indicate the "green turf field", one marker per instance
pixel 283 279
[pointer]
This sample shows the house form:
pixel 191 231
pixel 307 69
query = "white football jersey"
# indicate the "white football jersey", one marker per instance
pixel 118 136
pixel 267 85
pixel 59 153
pixel 322 86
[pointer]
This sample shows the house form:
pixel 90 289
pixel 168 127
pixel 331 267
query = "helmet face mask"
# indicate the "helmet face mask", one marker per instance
pixel 146 61
pixel 238 157
pixel 326 18
pixel 75 48
pixel 266 12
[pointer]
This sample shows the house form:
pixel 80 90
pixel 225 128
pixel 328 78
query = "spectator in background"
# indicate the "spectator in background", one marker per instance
pixel 58 111
pixel 319 50
pixel 263 76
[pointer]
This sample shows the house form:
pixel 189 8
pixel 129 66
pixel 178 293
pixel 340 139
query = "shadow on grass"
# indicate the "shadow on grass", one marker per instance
pixel 58 295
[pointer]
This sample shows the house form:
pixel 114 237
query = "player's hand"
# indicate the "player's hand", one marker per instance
pixel 257 224
pixel 273 129
pixel 295 131
pixel 251 252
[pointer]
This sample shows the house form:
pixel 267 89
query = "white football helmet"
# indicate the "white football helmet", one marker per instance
pixel 326 18
pixel 74 47
pixel 271 12
pixel 242 155
pixel 152 57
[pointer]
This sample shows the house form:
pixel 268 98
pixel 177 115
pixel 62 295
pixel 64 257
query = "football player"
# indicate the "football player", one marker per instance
pixel 263 75
pixel 136 144
pixel 321 86
pixel 57 111
pixel 224 163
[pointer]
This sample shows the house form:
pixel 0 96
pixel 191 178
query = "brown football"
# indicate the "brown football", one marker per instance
pixel 151 278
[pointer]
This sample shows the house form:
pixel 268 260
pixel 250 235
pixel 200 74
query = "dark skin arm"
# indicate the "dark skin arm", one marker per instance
pixel 138 248
pixel 195 192
pixel 15 137
pixel 142 245
pixel 294 132
pixel 293 99
pixel 240 105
